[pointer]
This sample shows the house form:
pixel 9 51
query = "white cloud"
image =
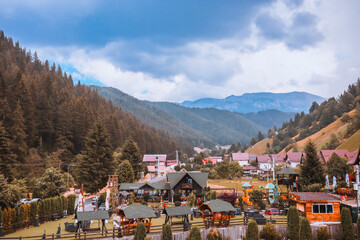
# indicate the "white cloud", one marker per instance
pixel 235 65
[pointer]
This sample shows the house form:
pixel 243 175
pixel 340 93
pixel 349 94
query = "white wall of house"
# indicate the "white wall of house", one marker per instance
pixel 294 164
pixel 243 163
pixel 264 166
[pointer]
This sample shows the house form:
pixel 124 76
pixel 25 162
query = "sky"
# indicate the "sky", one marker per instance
pixel 179 50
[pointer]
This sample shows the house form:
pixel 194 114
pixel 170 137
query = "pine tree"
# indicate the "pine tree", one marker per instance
pixel 336 166
pixel 252 231
pixel 293 223
pixel 6 154
pixel 305 230
pixel 347 229
pixel 97 160
pixel 269 232
pixel 260 136
pixel 130 151
pixel 6 196
pixel 140 232
pixel 125 172
pixel 194 234
pixel 311 171
pixel 166 232
pixel 17 132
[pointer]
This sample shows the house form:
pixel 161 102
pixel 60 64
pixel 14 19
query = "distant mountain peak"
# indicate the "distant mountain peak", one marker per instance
pixel 259 101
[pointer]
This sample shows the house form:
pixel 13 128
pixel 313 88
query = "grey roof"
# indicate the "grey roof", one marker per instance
pixel 138 211
pixel 177 211
pixel 315 196
pixel 218 205
pixel 92 215
pixel 130 186
pixel 199 177
pixel 160 186
pixel 287 171
pixel 136 186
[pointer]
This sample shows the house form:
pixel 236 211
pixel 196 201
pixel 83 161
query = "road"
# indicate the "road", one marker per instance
pixel 88 206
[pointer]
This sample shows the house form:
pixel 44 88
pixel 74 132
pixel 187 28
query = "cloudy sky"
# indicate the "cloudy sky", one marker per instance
pixel 180 50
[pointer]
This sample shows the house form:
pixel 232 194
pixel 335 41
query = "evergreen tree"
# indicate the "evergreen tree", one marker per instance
pixel 323 233
pixel 252 231
pixel 253 141
pixel 305 230
pixel 140 232
pixel 166 232
pixel 51 183
pixel 97 160
pixel 293 223
pixel 347 229
pixel 260 136
pixel 336 166
pixel 311 171
pixel 269 232
pixel 130 151
pixel 6 155
pixel 17 132
pixel 194 234
pixel 125 172
pixel 6 196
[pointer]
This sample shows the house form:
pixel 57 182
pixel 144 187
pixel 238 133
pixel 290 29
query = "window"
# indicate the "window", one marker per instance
pixel 323 208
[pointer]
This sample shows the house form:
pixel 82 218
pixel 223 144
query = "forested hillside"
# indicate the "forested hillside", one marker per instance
pixel 44 116
pixel 200 127
pixel 317 122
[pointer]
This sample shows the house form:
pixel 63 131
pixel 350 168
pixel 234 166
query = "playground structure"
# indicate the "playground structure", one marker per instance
pixel 269 188
pixel 247 189
pixel 133 214
pixel 217 213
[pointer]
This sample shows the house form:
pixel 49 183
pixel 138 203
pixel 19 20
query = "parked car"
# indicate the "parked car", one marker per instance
pixel 250 212
pixel 273 211
pixel 261 220
pixel 35 200
pixel 102 206
pixel 22 201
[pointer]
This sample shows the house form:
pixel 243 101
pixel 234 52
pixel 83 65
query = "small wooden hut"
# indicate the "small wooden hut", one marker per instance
pixel 85 217
pixel 317 206
pixel 216 213
pixel 131 215
pixel 287 177
pixel 182 211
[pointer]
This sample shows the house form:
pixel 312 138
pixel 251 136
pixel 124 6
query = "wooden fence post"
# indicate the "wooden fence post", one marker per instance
pixel 52 236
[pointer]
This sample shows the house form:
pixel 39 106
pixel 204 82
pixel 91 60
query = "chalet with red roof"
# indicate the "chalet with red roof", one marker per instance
pixel 294 159
pixel 155 162
pixel 214 160
pixel 251 170
pixel 243 158
pixel 325 155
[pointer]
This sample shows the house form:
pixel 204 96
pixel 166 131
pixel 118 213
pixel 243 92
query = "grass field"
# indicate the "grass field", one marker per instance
pixel 352 143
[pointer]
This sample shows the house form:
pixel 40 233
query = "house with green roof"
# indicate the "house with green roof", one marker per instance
pixel 185 183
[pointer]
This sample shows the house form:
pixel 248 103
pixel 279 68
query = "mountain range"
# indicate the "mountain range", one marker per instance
pixel 255 102
pixel 198 126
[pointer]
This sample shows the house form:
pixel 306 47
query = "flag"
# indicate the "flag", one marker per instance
pixel 347 180
pixel 327 182
pixel 334 183
pixel 107 202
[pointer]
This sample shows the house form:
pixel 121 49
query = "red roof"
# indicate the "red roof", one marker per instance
pixel 240 156
pixel 250 168
pixel 355 159
pixel 213 160
pixel 326 154
pixel 295 156
pixel 154 158
pixel 263 159
pixel 279 157
pixel 315 196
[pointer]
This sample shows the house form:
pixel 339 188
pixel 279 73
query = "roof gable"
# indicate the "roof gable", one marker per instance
pixel 199 177
pixel 263 159
pixel 218 205
pixel 294 156
pixel 154 158
pixel 92 215
pixel 138 211
pixel 240 157
pixel 177 211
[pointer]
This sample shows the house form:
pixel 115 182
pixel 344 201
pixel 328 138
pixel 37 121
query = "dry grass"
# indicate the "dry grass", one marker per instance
pixel 352 143
pixel 260 147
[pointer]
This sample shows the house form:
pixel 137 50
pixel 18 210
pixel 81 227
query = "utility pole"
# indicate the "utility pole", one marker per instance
pixel 357 187
pixel 177 157
pixel 273 163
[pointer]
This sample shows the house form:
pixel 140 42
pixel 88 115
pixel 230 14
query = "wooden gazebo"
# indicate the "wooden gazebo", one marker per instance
pixel 131 215
pixel 85 217
pixel 287 177
pixel 182 211
pixel 216 213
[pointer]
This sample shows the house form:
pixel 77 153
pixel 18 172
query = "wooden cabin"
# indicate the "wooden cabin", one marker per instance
pixel 216 213
pixel 131 215
pixel 185 183
pixel 317 206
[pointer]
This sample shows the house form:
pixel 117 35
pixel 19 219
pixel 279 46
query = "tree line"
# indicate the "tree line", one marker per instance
pixel 45 118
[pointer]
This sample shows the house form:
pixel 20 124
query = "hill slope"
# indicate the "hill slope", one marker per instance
pixel 202 127
pixel 255 102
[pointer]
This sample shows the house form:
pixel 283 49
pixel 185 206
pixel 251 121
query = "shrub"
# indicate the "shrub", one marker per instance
pixel 177 197
pixel 1 217
pixel 194 234
pixel 293 223
pixel 148 238
pixel 357 227
pixel 177 203
pixel 347 229
pixel 140 232
pixel 305 230
pixel 166 232
pixel 252 231
pixel 315 187
pixel 269 232
pixel 323 233
pixel 262 205
pixel 191 200
pixel 71 204
pixel 102 198
pixel 214 234
pixel 131 198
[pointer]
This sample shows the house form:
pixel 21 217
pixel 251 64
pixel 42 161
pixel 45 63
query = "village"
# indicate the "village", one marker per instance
pixel 268 195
